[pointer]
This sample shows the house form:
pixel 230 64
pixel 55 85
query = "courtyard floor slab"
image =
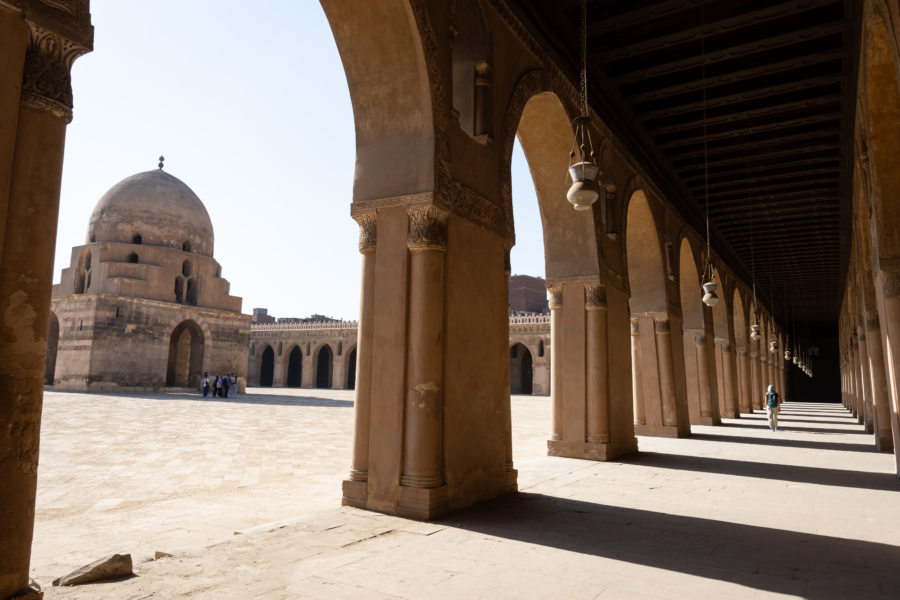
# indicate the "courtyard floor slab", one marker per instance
pixel 244 494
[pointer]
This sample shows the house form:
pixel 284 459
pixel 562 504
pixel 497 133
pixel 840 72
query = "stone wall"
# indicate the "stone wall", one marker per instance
pixel 116 343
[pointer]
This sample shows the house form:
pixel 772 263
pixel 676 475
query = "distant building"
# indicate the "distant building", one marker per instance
pixel 143 305
pixel 261 315
pixel 527 294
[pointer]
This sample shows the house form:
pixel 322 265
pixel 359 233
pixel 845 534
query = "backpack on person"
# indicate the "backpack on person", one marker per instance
pixel 772 399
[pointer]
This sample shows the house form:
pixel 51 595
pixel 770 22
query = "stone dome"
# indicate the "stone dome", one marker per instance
pixel 159 208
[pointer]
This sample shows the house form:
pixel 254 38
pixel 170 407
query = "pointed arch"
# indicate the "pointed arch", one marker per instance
pixel 384 61
pixel 643 251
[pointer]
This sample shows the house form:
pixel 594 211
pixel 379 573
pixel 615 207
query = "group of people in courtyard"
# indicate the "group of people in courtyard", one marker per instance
pixel 222 387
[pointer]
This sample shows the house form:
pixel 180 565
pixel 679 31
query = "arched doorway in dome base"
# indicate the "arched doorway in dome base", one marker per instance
pixel 52 348
pixel 185 365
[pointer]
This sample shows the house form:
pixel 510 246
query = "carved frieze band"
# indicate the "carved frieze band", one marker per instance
pixel 427 228
pixel 46 79
pixel 594 297
pixel 556 296
pixel 472 206
pixel 367 232
pixel 363 207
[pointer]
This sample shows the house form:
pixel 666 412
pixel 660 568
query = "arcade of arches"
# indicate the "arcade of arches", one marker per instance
pixel 439 91
pixel 295 355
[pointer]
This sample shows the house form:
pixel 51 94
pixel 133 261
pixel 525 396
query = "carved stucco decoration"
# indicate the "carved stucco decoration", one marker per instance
pixel 556 296
pixel 661 326
pixel 46 80
pixel 594 297
pixel 427 228
pixel 368 231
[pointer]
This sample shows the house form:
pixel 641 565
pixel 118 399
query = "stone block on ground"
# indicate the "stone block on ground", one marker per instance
pixel 117 565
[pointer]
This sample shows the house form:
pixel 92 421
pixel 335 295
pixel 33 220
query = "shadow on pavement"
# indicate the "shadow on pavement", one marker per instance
pixel 761 558
pixel 778 440
pixel 817 475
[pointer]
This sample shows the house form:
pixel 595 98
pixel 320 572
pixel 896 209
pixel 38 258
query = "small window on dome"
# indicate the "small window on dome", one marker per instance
pixel 133 257
pixel 186 246
pixel 137 239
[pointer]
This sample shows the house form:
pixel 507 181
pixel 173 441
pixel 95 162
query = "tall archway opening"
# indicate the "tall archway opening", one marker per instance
pixel 699 366
pixel 742 351
pixel 351 370
pixel 295 368
pixel 521 370
pixel 52 347
pixel 659 404
pixel 324 367
pixel 267 367
pixel 185 366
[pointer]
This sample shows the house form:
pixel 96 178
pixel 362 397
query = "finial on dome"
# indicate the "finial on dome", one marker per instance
pixel 161 159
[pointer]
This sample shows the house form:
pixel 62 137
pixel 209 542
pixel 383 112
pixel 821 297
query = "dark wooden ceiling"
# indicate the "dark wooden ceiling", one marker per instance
pixel 779 80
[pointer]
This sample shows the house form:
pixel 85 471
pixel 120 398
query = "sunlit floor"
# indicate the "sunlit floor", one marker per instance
pixel 735 511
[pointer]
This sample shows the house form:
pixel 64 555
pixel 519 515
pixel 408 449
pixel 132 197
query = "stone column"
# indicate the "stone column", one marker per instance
pixel 29 217
pixel 556 364
pixel 746 388
pixel 278 373
pixel 662 330
pixel 597 380
pixel 355 485
pixel 729 386
pixel 782 378
pixel 507 416
pixel 754 377
pixel 700 350
pixel 858 400
pixel 423 490
pixel 637 383
pixel 880 395
pixel 865 383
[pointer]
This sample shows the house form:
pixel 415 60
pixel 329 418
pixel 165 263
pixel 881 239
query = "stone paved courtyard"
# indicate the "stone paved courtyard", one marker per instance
pixel 735 511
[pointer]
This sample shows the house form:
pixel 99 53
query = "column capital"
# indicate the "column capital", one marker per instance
pixel 427 228
pixel 661 325
pixel 700 340
pixel 47 74
pixel 368 231
pixel 594 297
pixel 556 296
pixel 635 326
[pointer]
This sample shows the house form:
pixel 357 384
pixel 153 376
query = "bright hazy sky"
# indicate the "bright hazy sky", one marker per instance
pixel 249 104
